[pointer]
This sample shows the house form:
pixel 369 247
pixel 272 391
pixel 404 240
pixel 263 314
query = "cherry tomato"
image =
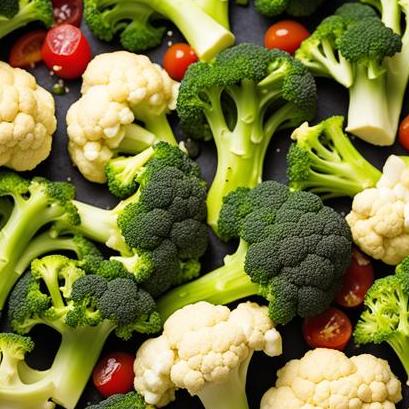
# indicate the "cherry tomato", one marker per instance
pixel 357 280
pixel 26 51
pixel 114 374
pixel 331 329
pixel 286 35
pixel 66 51
pixel 177 59
pixel 67 11
pixel 404 133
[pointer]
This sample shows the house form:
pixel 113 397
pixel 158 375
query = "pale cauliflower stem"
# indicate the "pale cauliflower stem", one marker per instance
pixel 118 89
pixel 205 349
pixel 379 219
pixel 328 379
pixel 27 119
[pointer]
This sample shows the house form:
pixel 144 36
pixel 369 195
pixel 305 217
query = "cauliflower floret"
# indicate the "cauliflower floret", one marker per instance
pixel 133 79
pixel 211 348
pixel 379 219
pixel 119 89
pixel 27 120
pixel 96 125
pixel 328 379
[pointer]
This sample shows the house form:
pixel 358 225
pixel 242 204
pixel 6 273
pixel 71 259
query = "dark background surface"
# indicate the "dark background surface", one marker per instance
pixel 248 27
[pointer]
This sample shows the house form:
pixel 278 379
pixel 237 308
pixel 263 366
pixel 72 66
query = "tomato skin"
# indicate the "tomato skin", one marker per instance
pixel 177 59
pixel 404 133
pixel 357 280
pixel 114 374
pixel 331 329
pixel 66 51
pixel 67 11
pixel 286 35
pixel 26 51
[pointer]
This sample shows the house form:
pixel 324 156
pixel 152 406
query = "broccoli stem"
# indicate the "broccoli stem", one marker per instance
pixel 28 217
pixel 226 284
pixel 218 9
pixel 136 140
pixel 368 114
pixel 207 38
pixel 160 127
pixel 400 344
pixel 76 357
pixel 230 394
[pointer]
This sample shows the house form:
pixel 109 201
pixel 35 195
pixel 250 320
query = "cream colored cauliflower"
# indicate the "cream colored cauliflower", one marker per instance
pixel 205 349
pixel 328 379
pixel 379 219
pixel 118 89
pixel 27 119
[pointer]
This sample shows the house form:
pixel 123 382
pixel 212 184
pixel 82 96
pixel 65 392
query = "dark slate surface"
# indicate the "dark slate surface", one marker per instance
pixel 248 27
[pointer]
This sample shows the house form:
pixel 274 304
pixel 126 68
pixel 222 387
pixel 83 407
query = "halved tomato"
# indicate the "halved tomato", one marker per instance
pixel 26 51
pixel 67 11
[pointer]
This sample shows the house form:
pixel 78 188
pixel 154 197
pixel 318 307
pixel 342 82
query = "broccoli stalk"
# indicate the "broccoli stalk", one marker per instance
pixel 324 161
pixel 283 239
pixel 28 11
pixel 386 314
pixel 84 310
pixel 36 204
pixel 243 97
pixel 106 17
pixel 218 9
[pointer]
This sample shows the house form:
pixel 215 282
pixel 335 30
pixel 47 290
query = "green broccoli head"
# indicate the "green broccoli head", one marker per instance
pixel 324 161
pixel 14 347
pixel 355 12
pixel 131 19
pixel 131 400
pixel 367 43
pixel 298 249
pixel 298 8
pixel 17 14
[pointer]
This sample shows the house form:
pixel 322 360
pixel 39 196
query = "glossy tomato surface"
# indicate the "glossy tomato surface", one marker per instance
pixel 68 11
pixel 114 373
pixel 331 329
pixel 286 35
pixel 357 280
pixel 26 51
pixel 177 59
pixel 404 133
pixel 66 51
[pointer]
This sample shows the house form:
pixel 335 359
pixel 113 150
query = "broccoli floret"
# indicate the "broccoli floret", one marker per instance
pixel 240 100
pixel 298 8
pixel 158 229
pixel 324 161
pixel 84 310
pixel 134 19
pixel 17 13
pixel 131 400
pixel 386 314
pixel 36 204
pixel 355 48
pixel 293 251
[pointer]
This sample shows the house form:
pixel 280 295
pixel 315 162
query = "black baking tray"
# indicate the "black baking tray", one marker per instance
pixel 332 100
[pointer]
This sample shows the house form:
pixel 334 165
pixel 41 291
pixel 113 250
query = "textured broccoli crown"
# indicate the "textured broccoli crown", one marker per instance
pixel 324 161
pixel 85 248
pixel 131 19
pixel 271 8
pixel 368 42
pixel 12 184
pixel 298 8
pixel 355 12
pixel 14 345
pixel 9 8
pixel 131 400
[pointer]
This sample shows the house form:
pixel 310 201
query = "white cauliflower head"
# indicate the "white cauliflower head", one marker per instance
pixel 96 125
pixel 328 379
pixel 379 219
pixel 205 349
pixel 133 79
pixel 27 119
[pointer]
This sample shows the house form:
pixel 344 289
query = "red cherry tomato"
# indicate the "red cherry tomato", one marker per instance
pixel 114 374
pixel 177 59
pixel 66 51
pixel 67 11
pixel 331 329
pixel 357 280
pixel 404 133
pixel 286 35
pixel 26 51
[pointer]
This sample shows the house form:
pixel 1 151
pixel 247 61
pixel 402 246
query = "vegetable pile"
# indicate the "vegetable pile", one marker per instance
pixel 140 273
